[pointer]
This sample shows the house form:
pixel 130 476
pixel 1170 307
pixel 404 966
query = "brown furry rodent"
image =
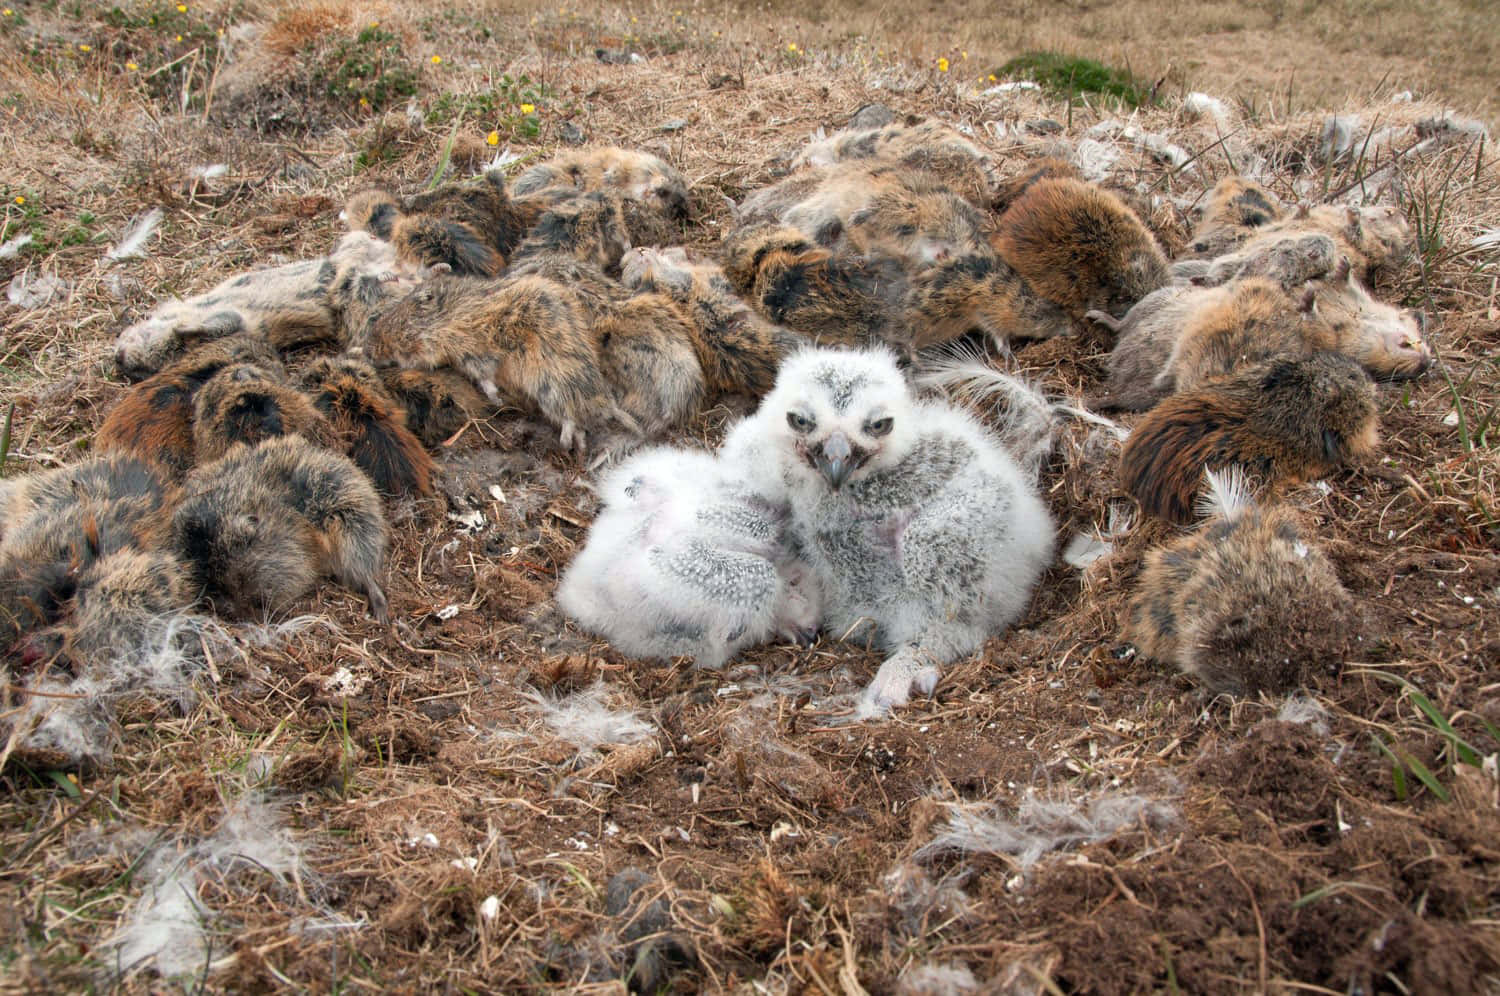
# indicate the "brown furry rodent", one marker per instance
pixel 348 391
pixel 525 339
pixel 1376 238
pixel 103 477
pixel 260 526
pixel 59 523
pixel 427 241
pixel 1046 168
pixel 588 227
pixel 930 145
pixel 639 176
pixel 840 299
pixel 121 601
pixel 1255 321
pixel 862 207
pixel 1289 260
pixel 1244 604
pixel 288 306
pixel 245 403
pixel 154 420
pixel 1081 248
pixel 1235 209
pixel 920 229
pixel 1258 320
pixel 1286 420
pixel 647 226
pixel 438 403
pixel 472 227
pixel 1167 332
pixel 646 349
pixel 984 292
pixel 830 299
pixel 648 356
pixel 738 350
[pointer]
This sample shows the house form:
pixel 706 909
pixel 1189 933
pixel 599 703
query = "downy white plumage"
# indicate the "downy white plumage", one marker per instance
pixel 914 521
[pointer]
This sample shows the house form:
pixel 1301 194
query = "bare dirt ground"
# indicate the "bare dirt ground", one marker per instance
pixel 343 806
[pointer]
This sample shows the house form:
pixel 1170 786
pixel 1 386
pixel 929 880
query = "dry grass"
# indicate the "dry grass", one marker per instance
pixel 412 766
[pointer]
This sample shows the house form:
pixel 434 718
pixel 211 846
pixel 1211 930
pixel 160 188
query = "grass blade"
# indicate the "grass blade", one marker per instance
pixel 1426 777
pixel 10 414
pixel 1398 771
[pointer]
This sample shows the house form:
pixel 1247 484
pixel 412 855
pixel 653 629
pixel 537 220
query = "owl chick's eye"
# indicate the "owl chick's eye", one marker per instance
pixel 879 427
pixel 800 423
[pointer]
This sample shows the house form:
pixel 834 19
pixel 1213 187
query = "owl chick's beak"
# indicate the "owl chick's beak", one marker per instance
pixel 835 459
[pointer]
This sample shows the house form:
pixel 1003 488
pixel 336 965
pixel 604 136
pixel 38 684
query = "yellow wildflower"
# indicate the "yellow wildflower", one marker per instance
pixel 20 199
pixel 992 78
pixel 364 102
pixel 178 38
pixel 437 60
pixel 493 138
pixel 528 108
pixel 85 48
pixel 942 65
pixel 791 47
pixel 182 8
pixel 131 66
pixel 8 12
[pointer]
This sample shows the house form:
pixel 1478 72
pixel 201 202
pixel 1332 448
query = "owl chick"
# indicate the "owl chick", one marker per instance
pixel 910 516
pixel 684 559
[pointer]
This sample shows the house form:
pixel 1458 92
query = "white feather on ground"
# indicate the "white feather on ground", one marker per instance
pixel 1226 494
pixel 936 979
pixel 137 235
pixel 74 717
pixel 586 720
pixel 14 246
pixel 1041 826
pixel 1304 711
pixel 169 927
pixel 1095 544
pixel 27 291
pixel 923 902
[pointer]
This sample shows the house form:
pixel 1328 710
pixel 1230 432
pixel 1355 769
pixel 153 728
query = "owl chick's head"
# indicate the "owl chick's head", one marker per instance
pixel 840 414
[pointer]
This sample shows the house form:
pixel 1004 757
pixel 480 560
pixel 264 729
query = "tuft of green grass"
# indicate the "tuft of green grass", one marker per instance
pixel 1456 749
pixel 369 70
pixel 501 109
pixel 1069 76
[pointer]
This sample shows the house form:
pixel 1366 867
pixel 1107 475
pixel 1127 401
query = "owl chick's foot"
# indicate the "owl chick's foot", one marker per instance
pixel 897 676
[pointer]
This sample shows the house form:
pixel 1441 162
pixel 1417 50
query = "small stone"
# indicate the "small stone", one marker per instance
pixel 572 134
pixel 676 124
pixel 1044 126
